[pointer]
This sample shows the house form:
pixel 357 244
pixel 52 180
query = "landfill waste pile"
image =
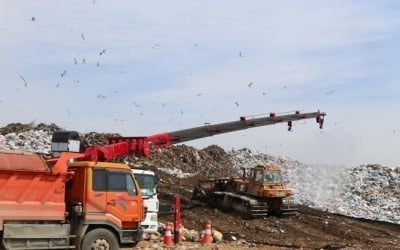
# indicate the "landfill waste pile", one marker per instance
pixel 38 141
pixel 367 191
pixel 183 161
pixel 372 192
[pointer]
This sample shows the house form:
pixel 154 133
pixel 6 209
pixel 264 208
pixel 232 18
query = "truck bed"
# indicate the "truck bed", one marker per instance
pixel 29 190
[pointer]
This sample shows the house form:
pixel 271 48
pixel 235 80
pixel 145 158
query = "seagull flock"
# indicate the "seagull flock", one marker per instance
pixel 103 51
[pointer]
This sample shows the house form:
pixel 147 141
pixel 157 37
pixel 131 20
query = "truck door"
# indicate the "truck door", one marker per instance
pixel 122 198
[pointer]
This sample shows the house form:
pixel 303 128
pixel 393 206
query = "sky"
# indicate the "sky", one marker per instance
pixel 144 67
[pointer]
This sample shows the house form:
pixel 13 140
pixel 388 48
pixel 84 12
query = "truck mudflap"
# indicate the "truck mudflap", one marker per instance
pixel 131 236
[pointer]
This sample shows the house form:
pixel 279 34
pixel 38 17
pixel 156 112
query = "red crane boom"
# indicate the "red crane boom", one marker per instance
pixel 120 147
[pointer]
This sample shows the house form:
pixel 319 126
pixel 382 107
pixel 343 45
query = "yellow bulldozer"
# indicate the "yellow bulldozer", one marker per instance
pixel 259 192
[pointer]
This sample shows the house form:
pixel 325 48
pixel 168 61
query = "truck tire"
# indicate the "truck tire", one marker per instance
pixel 99 239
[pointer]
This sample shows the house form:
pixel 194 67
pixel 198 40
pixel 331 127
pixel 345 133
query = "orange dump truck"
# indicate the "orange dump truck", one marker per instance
pixel 65 203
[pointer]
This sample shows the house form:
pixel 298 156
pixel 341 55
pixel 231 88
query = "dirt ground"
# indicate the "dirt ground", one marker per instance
pixel 309 229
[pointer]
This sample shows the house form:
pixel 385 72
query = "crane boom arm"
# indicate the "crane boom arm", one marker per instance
pixel 120 147
pixel 142 146
pixel 179 136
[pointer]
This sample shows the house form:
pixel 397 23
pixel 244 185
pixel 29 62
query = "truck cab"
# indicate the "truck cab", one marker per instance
pixel 63 203
pixel 148 182
pixel 108 194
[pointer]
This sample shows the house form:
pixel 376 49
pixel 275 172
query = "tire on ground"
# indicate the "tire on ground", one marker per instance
pixel 100 238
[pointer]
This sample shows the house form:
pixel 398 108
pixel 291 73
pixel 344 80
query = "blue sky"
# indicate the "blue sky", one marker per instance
pixel 184 63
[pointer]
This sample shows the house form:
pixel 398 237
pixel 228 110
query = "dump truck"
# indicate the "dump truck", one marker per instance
pixel 259 192
pixel 67 203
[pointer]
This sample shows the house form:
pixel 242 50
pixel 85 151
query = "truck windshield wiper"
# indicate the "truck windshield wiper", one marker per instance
pixel 145 198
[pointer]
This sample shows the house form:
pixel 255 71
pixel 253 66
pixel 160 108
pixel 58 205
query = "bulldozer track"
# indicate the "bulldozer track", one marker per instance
pixel 248 207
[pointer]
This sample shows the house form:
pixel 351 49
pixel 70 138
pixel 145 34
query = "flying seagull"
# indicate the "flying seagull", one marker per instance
pixel 25 82
pixel 102 52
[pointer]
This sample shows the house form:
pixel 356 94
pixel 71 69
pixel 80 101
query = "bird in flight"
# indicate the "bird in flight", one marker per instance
pixel 240 54
pixel 63 73
pixel 102 52
pixel 57 85
pixel 329 92
pixel 237 104
pixel 75 61
pixel 25 82
pixel 101 97
pixel 84 60
pixel 83 37
pixel 136 105
pixel 33 19
pixel 251 83
pixel 264 93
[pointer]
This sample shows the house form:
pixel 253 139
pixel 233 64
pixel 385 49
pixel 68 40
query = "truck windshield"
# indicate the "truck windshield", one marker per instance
pixel 273 177
pixel 147 183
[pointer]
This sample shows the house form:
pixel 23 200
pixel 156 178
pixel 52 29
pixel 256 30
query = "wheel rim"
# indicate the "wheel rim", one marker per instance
pixel 100 244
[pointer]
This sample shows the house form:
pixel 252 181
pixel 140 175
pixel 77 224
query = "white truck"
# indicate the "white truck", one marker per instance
pixel 148 181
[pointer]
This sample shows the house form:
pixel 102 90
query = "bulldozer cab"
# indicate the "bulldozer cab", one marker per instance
pixel 272 176
pixel 266 174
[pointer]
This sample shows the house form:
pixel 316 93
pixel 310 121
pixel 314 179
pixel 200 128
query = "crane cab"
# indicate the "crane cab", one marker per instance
pixel 66 141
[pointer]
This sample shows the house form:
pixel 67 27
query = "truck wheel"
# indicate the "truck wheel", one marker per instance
pixel 100 239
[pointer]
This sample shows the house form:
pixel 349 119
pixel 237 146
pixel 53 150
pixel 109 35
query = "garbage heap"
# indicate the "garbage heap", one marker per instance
pixel 38 141
pixel 372 192
pixel 366 191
